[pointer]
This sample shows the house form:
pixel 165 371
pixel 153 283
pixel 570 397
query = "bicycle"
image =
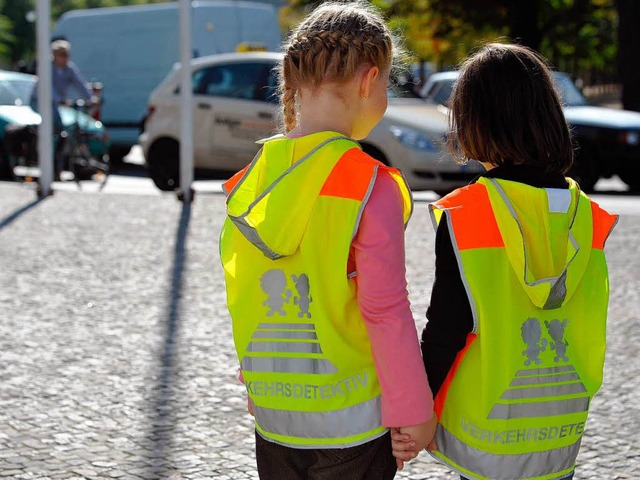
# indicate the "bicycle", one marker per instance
pixel 81 151
pixel 77 149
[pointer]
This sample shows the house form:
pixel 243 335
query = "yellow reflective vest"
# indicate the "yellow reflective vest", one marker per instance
pixel 515 402
pixel 301 341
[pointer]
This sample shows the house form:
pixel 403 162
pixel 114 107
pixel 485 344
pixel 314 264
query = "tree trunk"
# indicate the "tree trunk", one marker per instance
pixel 628 47
pixel 524 25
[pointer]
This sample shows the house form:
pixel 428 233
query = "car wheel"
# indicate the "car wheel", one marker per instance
pixel 631 178
pixel 117 154
pixel 585 168
pixel 163 163
pixel 6 172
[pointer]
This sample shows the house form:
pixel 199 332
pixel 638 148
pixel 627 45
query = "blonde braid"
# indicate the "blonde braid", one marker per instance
pixel 330 45
pixel 289 108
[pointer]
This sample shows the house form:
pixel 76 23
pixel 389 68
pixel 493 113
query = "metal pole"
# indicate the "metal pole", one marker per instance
pixel 45 105
pixel 186 110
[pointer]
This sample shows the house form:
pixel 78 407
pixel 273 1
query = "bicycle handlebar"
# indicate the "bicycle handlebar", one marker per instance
pixel 80 103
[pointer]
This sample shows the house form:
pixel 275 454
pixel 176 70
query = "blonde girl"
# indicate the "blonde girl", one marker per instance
pixel 313 252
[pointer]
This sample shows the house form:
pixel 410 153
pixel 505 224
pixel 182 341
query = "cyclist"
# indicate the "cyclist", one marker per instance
pixel 65 75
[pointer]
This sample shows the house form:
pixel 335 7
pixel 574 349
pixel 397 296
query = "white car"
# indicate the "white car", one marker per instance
pixel 236 103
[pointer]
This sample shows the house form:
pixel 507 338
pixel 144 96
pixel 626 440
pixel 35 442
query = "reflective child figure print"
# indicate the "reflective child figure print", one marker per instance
pixel 531 334
pixel 304 299
pixel 274 284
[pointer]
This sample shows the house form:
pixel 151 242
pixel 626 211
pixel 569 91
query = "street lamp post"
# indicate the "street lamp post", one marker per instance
pixel 186 110
pixel 45 105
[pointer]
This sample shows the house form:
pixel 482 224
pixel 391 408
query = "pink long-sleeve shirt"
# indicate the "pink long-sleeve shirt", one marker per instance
pixel 378 256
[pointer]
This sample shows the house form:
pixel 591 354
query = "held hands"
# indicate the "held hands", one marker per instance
pixel 407 442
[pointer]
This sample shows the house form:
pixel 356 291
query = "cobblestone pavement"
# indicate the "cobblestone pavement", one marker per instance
pixel 116 357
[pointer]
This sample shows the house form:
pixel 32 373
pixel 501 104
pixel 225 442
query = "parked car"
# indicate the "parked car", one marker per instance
pixel 15 95
pixel 607 140
pixel 236 103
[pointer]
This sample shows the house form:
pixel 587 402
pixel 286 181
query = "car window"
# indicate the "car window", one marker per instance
pixel 23 89
pixel 236 80
pixel 269 92
pixel 443 93
pixel 569 93
pixel 8 95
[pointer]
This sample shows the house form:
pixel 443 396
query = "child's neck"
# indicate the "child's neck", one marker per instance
pixel 322 112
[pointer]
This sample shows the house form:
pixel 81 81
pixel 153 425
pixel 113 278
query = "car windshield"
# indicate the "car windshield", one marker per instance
pixel 15 92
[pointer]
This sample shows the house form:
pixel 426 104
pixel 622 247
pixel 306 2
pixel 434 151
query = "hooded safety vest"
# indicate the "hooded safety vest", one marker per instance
pixel 514 404
pixel 301 341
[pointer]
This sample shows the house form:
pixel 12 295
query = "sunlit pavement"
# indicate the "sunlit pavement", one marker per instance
pixel 116 353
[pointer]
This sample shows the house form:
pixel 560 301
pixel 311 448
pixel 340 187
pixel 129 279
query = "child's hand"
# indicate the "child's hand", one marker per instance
pixel 404 448
pixel 407 442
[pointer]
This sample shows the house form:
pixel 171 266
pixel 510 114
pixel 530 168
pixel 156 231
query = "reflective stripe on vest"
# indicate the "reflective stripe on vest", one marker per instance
pixel 508 467
pixel 338 423
pixel 301 341
pixel 532 368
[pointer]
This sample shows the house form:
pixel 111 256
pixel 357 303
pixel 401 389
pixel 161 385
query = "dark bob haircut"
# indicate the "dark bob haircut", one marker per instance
pixel 505 110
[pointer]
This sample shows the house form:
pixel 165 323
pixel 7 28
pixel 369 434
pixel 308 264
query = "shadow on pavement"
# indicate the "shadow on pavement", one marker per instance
pixel 163 419
pixel 8 220
pixel 130 170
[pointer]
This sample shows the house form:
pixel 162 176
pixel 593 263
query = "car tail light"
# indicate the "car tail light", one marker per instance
pixel 150 111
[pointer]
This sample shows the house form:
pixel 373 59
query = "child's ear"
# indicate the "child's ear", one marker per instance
pixel 369 75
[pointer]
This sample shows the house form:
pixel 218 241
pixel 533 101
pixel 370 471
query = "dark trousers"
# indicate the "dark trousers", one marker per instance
pixel 370 461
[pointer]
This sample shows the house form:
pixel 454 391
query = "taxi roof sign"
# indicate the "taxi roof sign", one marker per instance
pixel 251 47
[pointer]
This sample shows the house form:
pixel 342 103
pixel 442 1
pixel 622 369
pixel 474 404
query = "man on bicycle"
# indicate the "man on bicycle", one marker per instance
pixel 65 75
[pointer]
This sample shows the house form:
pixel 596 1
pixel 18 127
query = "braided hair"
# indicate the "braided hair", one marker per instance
pixel 330 45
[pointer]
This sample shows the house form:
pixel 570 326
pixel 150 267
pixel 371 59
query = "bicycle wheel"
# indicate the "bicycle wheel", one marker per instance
pixel 79 163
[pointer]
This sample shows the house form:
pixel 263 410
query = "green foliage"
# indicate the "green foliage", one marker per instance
pixel 578 36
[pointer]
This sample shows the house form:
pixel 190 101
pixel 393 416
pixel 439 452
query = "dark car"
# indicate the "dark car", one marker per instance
pixel 607 139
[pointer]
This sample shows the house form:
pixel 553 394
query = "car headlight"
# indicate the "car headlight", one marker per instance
pixel 414 139
pixel 630 138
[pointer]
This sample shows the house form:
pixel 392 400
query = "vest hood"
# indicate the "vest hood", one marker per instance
pixel 273 201
pixel 547 233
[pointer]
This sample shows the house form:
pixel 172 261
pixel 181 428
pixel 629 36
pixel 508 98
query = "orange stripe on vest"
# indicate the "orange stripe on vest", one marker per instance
pixel 351 176
pixel 441 397
pixel 474 223
pixel 233 181
pixel 603 222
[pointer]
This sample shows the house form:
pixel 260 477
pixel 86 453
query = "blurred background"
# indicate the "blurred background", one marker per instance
pixel 127 52
pixel 596 41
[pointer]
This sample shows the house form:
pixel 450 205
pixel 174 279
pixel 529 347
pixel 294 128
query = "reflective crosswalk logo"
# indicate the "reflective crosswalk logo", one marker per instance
pixel 283 343
pixel 535 392
pixel 274 284
pixel 286 347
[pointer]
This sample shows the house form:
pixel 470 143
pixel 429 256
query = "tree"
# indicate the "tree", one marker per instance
pixel 20 43
pixel 629 43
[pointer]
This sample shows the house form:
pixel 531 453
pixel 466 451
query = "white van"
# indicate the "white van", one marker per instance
pixel 131 49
